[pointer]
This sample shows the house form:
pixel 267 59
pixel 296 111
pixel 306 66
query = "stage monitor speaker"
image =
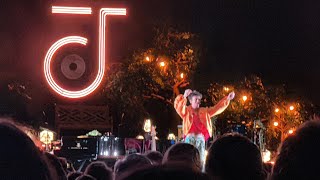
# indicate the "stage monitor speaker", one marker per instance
pixel 79 148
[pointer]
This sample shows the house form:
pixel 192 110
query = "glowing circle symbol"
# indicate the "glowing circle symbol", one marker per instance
pixel 83 41
pixel 48 74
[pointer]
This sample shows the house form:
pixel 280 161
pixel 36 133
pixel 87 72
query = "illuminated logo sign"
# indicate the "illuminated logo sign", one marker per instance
pixel 59 44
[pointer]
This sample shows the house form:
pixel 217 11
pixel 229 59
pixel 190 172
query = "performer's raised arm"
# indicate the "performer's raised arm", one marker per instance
pixel 180 103
pixel 196 124
pixel 221 105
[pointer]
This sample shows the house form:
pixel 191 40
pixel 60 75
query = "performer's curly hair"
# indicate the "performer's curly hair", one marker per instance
pixel 194 93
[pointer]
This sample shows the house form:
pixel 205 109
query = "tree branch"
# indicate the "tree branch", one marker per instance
pixel 175 87
pixel 155 96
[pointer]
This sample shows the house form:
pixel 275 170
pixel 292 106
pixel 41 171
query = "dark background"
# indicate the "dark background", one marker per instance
pixel 278 40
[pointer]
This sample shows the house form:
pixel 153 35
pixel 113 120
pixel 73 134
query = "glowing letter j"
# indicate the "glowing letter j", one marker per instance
pixel 104 12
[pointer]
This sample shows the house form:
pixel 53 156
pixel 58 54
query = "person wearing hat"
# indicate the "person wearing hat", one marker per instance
pixel 196 124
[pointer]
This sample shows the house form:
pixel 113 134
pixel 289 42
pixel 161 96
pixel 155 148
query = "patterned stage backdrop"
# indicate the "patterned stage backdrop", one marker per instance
pixel 82 118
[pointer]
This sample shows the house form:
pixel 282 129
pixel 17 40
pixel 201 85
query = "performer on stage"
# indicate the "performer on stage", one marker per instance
pixel 196 125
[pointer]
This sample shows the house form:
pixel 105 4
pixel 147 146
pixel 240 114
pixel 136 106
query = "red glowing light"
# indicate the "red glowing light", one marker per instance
pixel 47 64
pixel 80 40
pixel 71 10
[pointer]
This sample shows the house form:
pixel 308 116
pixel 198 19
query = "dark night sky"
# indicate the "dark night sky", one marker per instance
pixel 279 40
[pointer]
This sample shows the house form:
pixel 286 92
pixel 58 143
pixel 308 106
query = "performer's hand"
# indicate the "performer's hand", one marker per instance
pixel 231 95
pixel 187 92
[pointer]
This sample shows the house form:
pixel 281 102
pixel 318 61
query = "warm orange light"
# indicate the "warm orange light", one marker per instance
pixel 266 156
pixel 226 89
pixel 276 124
pixel 71 10
pixel 147 125
pixel 291 108
pixel 244 98
pixel 81 40
pixel 162 64
pixel 277 110
pixel 147 58
pixel 181 75
pixel 290 131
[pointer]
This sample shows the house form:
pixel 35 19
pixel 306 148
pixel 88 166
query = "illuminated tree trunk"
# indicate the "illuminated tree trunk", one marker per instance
pixel 282 136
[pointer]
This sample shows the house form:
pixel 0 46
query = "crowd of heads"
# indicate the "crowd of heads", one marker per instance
pixel 299 154
pixel 231 156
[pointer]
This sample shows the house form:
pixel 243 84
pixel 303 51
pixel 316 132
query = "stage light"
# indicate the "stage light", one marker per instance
pixel 140 137
pixel 147 125
pixel 171 136
pixel 115 153
pixel 46 136
pixel 266 156
pixel 106 153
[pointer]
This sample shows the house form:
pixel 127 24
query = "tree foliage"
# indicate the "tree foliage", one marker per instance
pixel 154 73
pixel 255 106
pixel 263 103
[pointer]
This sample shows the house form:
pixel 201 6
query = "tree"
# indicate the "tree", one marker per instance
pixel 14 101
pixel 285 119
pixel 152 74
pixel 261 108
pixel 286 115
pixel 251 102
